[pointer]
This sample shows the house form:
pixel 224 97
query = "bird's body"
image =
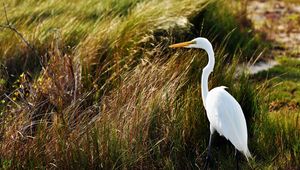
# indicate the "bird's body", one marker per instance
pixel 223 111
pixel 226 117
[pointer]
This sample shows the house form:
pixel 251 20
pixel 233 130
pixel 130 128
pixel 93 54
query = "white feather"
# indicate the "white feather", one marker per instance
pixel 223 111
pixel 226 117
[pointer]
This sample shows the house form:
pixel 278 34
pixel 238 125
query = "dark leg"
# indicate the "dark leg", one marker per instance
pixel 237 159
pixel 208 157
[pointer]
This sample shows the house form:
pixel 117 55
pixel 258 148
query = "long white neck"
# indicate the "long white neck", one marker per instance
pixel 206 72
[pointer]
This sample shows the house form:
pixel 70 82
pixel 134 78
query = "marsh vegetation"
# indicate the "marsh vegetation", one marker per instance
pixel 100 89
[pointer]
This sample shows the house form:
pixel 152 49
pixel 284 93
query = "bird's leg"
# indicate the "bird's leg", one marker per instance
pixel 237 159
pixel 208 157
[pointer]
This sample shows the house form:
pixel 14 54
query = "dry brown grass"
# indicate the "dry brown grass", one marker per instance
pixel 110 93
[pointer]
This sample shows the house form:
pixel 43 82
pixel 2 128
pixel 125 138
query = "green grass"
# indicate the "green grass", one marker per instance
pixel 280 122
pixel 220 23
pixel 112 95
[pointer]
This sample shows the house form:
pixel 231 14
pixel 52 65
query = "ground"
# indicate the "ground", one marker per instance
pixel 279 22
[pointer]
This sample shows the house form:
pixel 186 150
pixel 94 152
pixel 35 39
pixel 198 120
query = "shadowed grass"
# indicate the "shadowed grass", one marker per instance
pixel 217 21
pixel 154 119
pixel 112 94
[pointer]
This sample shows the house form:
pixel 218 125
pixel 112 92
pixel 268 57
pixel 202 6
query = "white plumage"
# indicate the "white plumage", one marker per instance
pixel 223 111
pixel 226 117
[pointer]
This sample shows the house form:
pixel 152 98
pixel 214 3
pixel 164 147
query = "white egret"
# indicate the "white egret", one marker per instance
pixel 223 111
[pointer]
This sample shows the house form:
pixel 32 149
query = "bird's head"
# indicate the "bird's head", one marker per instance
pixel 199 42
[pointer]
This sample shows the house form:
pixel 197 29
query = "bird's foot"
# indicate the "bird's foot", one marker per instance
pixel 207 161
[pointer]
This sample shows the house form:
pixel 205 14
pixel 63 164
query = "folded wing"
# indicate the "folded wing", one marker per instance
pixel 227 118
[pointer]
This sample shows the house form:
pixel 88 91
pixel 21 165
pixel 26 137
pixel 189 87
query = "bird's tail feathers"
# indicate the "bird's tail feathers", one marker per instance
pixel 247 154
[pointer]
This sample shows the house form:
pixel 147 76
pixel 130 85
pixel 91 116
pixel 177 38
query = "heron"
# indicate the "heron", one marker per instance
pixel 223 111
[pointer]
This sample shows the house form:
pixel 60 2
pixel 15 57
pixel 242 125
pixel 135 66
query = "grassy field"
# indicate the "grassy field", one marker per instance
pixel 280 121
pixel 102 90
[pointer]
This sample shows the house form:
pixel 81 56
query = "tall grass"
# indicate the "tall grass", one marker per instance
pixel 111 94
pixel 154 119
pixel 279 122
pixel 217 21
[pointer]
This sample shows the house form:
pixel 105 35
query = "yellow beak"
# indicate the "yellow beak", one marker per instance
pixel 183 44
